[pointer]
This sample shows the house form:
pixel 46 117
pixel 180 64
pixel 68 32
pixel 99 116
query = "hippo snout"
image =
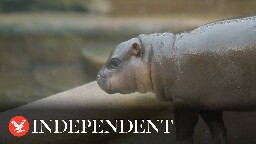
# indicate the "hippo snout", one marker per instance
pixel 103 81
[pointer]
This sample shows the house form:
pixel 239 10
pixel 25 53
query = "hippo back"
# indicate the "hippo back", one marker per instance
pixel 216 65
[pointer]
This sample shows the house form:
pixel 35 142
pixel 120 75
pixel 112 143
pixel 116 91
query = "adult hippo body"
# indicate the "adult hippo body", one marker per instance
pixel 206 71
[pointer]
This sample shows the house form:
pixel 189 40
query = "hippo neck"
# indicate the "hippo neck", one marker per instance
pixel 160 52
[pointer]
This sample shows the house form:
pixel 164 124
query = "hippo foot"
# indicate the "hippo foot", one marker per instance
pixel 214 120
pixel 185 120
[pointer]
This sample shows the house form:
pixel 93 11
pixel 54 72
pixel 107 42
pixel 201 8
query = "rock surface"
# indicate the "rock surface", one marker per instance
pixel 84 102
pixel 90 102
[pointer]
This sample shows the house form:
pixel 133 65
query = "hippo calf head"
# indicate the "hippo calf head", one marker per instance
pixel 126 70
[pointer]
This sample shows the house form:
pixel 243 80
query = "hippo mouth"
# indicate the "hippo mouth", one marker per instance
pixel 105 84
pixel 109 91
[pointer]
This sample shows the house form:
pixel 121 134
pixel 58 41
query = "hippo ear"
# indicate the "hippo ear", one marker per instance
pixel 136 49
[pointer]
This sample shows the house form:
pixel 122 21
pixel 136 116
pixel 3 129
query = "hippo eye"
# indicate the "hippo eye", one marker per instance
pixel 114 63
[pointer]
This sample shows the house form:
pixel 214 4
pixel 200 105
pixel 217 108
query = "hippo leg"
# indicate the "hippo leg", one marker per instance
pixel 185 121
pixel 214 119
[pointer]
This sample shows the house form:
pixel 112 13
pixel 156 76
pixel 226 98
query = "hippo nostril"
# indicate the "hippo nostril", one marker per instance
pixel 98 77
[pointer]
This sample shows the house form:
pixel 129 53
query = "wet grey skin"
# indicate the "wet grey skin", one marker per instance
pixel 203 72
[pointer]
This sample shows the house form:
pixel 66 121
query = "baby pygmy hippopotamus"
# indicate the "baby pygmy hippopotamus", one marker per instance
pixel 203 72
